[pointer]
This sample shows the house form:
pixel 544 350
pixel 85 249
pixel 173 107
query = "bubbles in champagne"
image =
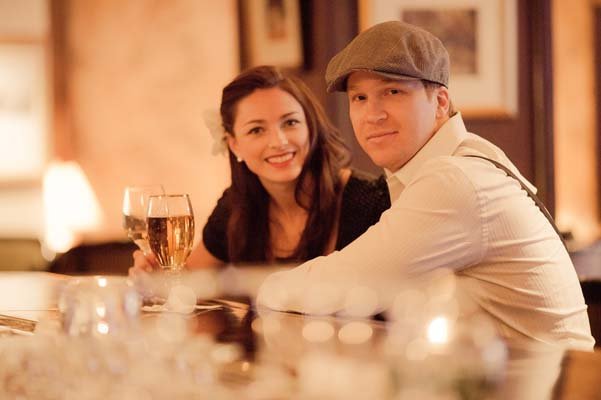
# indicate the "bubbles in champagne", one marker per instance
pixel 171 239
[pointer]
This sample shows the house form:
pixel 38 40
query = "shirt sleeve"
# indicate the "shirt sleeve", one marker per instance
pixel 214 233
pixel 435 223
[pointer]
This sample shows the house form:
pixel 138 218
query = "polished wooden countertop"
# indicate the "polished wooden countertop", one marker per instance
pixel 34 296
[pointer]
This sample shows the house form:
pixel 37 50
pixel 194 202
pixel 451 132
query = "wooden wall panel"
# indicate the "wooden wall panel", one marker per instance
pixel 527 138
pixel 597 72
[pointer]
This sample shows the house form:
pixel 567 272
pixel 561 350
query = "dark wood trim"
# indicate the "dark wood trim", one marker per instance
pixel 307 34
pixel 597 77
pixel 542 100
pixel 328 26
pixel 62 138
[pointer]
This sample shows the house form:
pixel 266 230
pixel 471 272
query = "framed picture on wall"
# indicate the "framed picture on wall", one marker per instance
pixel 481 37
pixel 271 33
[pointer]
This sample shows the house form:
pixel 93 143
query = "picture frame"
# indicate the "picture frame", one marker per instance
pixel 271 33
pixel 481 37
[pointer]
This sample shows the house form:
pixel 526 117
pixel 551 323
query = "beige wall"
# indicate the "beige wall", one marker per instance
pixel 577 196
pixel 140 74
pixel 23 34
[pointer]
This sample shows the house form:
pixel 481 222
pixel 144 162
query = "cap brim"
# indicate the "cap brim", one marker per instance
pixel 339 84
pixel 396 77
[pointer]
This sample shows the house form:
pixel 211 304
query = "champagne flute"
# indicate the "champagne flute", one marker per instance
pixel 135 206
pixel 170 230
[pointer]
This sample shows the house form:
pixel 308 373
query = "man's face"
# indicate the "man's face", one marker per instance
pixel 393 119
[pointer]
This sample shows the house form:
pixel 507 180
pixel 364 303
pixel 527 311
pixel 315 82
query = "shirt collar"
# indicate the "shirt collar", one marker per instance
pixel 444 142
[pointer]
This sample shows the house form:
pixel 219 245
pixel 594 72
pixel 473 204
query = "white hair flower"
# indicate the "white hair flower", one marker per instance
pixel 212 119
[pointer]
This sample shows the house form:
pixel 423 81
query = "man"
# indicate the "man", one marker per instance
pixel 449 209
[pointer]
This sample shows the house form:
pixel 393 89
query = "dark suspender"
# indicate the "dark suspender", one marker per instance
pixel 533 196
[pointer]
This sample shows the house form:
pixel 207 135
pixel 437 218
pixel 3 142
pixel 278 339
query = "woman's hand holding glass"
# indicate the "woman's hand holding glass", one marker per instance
pixel 143 263
pixel 170 223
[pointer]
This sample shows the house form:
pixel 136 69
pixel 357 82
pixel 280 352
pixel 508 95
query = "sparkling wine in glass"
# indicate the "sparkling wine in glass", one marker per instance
pixel 170 230
pixel 135 206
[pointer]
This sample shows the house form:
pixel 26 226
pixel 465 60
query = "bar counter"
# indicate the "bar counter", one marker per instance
pixel 260 354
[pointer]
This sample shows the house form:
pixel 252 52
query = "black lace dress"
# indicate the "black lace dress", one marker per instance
pixel 363 201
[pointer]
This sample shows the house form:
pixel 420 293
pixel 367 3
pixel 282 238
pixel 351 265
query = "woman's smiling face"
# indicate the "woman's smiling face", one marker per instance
pixel 271 135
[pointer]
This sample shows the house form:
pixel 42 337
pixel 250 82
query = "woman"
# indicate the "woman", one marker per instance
pixel 292 196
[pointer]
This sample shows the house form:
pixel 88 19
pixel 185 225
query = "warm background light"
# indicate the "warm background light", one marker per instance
pixel 70 206
pixel 121 97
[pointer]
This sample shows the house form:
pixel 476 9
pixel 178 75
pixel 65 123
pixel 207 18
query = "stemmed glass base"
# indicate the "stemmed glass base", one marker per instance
pixel 167 292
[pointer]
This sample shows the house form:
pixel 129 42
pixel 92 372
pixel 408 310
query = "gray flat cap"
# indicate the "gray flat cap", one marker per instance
pixel 394 49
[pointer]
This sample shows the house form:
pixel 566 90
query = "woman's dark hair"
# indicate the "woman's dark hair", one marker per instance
pixel 319 181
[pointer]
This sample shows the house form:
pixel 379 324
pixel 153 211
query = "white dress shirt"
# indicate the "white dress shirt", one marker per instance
pixel 463 214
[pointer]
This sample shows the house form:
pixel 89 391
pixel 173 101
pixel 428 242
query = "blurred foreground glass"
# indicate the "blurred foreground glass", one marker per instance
pixel 135 205
pixel 99 306
pixel 170 230
pixel 441 344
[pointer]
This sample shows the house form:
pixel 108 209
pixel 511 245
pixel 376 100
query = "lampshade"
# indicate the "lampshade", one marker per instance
pixel 70 205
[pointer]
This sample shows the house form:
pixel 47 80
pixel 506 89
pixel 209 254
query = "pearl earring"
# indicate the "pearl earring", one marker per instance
pixel 238 158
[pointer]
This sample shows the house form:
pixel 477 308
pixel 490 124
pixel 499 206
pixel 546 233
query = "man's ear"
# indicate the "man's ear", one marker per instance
pixel 443 102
